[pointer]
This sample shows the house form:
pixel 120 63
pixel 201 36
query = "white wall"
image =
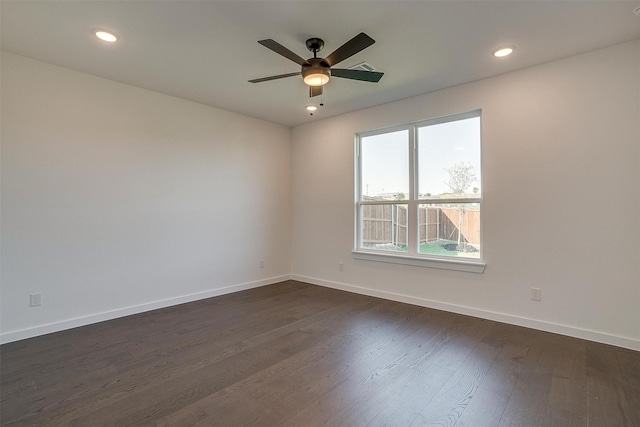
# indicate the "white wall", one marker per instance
pixel 561 183
pixel 117 200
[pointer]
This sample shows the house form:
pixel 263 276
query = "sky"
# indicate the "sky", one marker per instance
pixel 385 157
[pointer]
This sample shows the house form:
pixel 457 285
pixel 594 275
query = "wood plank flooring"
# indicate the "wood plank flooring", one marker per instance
pixel 294 354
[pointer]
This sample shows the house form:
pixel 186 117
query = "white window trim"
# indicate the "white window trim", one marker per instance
pixel 412 258
pixel 422 261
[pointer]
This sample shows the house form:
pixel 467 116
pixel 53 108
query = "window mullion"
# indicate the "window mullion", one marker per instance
pixel 358 196
pixel 412 212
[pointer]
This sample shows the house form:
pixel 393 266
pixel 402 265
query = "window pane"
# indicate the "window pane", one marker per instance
pixel 449 159
pixel 385 166
pixel 449 230
pixel 384 227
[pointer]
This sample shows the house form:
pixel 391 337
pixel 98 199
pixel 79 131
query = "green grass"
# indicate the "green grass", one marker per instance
pixel 437 248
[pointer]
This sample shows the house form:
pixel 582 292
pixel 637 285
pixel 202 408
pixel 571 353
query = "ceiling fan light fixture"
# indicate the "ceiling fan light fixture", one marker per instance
pixel 316 77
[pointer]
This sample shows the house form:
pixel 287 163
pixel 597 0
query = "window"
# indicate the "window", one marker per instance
pixel 419 192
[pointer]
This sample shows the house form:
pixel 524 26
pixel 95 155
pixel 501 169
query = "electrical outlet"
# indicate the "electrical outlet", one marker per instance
pixel 536 294
pixel 35 300
pixel 261 263
pixel 341 266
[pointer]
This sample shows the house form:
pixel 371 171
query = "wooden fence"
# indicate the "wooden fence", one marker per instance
pixel 387 224
pixel 384 224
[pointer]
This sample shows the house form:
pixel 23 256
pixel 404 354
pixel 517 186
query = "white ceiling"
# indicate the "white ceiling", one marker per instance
pixel 205 51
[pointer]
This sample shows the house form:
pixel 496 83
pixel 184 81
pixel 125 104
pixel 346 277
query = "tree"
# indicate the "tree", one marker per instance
pixel 461 176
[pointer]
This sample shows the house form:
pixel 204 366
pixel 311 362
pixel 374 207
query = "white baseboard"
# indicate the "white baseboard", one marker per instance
pixel 571 331
pixel 48 328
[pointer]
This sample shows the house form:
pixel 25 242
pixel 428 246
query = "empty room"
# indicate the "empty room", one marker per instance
pixel 306 213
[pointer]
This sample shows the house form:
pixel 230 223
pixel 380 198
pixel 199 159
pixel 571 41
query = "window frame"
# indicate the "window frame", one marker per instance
pixel 412 256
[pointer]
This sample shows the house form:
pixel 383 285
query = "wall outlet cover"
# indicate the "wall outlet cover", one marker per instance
pixel 35 300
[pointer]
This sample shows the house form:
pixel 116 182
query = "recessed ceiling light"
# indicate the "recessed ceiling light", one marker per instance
pixel 106 36
pixel 311 108
pixel 503 51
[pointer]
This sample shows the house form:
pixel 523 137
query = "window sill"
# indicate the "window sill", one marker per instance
pixel 445 264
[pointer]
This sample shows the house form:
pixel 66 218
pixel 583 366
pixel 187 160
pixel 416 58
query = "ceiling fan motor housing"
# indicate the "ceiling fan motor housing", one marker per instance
pixel 312 72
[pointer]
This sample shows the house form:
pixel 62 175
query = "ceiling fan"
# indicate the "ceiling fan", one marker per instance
pixel 315 71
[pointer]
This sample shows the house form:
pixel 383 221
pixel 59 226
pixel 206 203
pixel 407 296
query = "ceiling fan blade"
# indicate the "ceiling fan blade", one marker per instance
pixel 279 76
pixel 350 48
pixel 279 49
pixel 365 76
pixel 315 91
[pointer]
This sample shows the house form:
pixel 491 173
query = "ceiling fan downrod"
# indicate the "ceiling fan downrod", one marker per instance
pixel 315 45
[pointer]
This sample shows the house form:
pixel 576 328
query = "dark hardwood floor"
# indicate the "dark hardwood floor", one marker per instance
pixel 294 354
